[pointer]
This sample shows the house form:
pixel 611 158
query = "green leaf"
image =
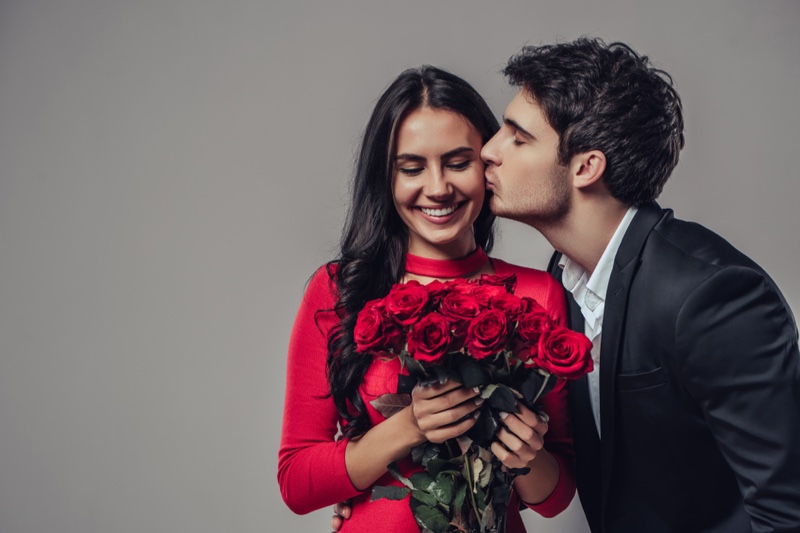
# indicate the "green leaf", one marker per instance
pixel 472 372
pixel 461 495
pixel 487 391
pixel 395 471
pixel 502 399
pixel 442 488
pixel 436 465
pixel 464 443
pixel 391 404
pixel 415 368
pixel 501 494
pixel 431 518
pixel 424 497
pixel 485 455
pixel 483 430
pixel 389 492
pixel 481 496
pixel 423 453
pixel 477 468
pixel 488 517
pixel 421 481
pixel 417 451
pixel 405 384
pixel 432 451
pixel 442 375
pixel 485 476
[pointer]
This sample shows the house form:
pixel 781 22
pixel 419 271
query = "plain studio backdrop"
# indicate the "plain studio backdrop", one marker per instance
pixel 172 172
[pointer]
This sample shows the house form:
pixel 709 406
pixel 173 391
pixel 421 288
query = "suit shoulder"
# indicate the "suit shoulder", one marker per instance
pixel 695 243
pixel 682 256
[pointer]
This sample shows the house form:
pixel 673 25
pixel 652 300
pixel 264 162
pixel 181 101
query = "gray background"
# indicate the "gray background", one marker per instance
pixel 171 173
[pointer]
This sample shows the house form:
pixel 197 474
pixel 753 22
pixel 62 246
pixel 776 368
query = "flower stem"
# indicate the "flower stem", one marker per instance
pixel 470 487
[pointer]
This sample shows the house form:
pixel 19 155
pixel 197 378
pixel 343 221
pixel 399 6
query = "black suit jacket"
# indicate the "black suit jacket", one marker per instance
pixel 699 390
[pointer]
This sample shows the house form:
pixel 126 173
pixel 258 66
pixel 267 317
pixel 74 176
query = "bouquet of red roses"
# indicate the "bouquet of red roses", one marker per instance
pixel 480 334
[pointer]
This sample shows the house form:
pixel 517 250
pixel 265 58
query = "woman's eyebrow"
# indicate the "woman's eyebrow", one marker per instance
pixel 446 155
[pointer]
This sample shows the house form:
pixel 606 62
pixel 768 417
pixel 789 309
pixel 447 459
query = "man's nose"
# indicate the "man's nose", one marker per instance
pixel 489 151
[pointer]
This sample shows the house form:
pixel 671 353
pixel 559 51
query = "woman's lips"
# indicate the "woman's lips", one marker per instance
pixel 440 215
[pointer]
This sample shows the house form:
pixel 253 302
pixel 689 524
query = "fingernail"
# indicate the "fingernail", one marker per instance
pixel 476 414
pixel 503 415
pixel 478 401
pixel 544 417
pixel 477 390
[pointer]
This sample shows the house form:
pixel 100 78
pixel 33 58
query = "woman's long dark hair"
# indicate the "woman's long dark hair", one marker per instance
pixel 374 239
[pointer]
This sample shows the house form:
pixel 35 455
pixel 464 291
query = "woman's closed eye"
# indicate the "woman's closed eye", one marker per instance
pixel 410 171
pixel 460 165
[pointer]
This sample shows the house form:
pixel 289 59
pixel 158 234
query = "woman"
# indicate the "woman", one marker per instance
pixel 419 212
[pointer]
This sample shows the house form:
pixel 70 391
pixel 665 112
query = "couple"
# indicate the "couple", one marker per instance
pixel 690 420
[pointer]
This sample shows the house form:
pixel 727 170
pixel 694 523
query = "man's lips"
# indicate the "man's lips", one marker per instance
pixel 488 179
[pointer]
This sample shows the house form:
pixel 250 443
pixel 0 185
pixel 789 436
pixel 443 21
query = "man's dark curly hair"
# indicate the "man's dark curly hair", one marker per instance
pixel 606 97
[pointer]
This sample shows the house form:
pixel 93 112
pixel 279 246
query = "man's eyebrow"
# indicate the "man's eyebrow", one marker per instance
pixel 514 124
pixel 446 155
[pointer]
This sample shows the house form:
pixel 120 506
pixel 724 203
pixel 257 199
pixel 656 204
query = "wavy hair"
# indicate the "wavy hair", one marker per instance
pixel 606 97
pixel 374 239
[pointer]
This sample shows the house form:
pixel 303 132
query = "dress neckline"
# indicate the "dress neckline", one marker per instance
pixel 446 268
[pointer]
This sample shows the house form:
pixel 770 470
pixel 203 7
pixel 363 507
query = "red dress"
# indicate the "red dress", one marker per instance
pixel 311 463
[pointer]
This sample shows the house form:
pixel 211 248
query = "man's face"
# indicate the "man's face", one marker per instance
pixel 522 170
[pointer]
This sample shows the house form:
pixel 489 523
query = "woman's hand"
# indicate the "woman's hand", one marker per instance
pixel 520 437
pixel 341 512
pixel 444 411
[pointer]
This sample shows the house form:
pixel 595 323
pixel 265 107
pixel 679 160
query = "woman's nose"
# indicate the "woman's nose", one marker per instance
pixel 438 185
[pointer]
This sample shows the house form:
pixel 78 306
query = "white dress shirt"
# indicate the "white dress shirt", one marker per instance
pixel 590 295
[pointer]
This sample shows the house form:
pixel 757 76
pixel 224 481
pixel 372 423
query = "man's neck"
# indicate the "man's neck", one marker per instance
pixel 584 233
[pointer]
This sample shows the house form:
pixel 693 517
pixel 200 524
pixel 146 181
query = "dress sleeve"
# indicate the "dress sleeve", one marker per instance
pixel 558 439
pixel 311 463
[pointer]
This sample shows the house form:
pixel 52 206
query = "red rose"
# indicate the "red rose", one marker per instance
pixel 530 303
pixel 374 331
pixel 437 290
pixel 509 281
pixel 487 333
pixel 485 293
pixel 564 353
pixel 508 304
pixel 406 302
pixel 459 306
pixel 533 323
pixel 460 309
pixel 430 338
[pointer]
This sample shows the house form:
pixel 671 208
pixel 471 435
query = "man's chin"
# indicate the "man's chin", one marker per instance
pixel 498 209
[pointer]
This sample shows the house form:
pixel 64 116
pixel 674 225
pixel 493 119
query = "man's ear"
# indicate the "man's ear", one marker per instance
pixel 587 168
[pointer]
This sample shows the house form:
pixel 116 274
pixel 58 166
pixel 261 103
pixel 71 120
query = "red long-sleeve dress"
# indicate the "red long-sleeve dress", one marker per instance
pixel 311 463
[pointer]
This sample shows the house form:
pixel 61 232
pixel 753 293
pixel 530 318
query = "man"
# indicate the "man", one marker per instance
pixel 691 418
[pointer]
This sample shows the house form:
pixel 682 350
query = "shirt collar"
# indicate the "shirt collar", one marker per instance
pixel 574 276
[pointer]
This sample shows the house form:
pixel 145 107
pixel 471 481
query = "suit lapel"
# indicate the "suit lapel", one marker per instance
pixel 616 303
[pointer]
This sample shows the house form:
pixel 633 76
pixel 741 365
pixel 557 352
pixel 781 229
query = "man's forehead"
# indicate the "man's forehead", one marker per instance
pixel 523 108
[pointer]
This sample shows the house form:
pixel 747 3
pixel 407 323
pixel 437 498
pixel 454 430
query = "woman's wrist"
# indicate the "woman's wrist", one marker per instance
pixel 537 485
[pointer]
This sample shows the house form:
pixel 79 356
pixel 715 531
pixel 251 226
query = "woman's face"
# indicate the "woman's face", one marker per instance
pixel 438 182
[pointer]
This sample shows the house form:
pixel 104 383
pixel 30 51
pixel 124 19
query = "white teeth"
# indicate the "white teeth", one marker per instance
pixel 439 212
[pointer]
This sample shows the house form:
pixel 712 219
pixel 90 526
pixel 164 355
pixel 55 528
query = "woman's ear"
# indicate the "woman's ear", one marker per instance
pixel 587 168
